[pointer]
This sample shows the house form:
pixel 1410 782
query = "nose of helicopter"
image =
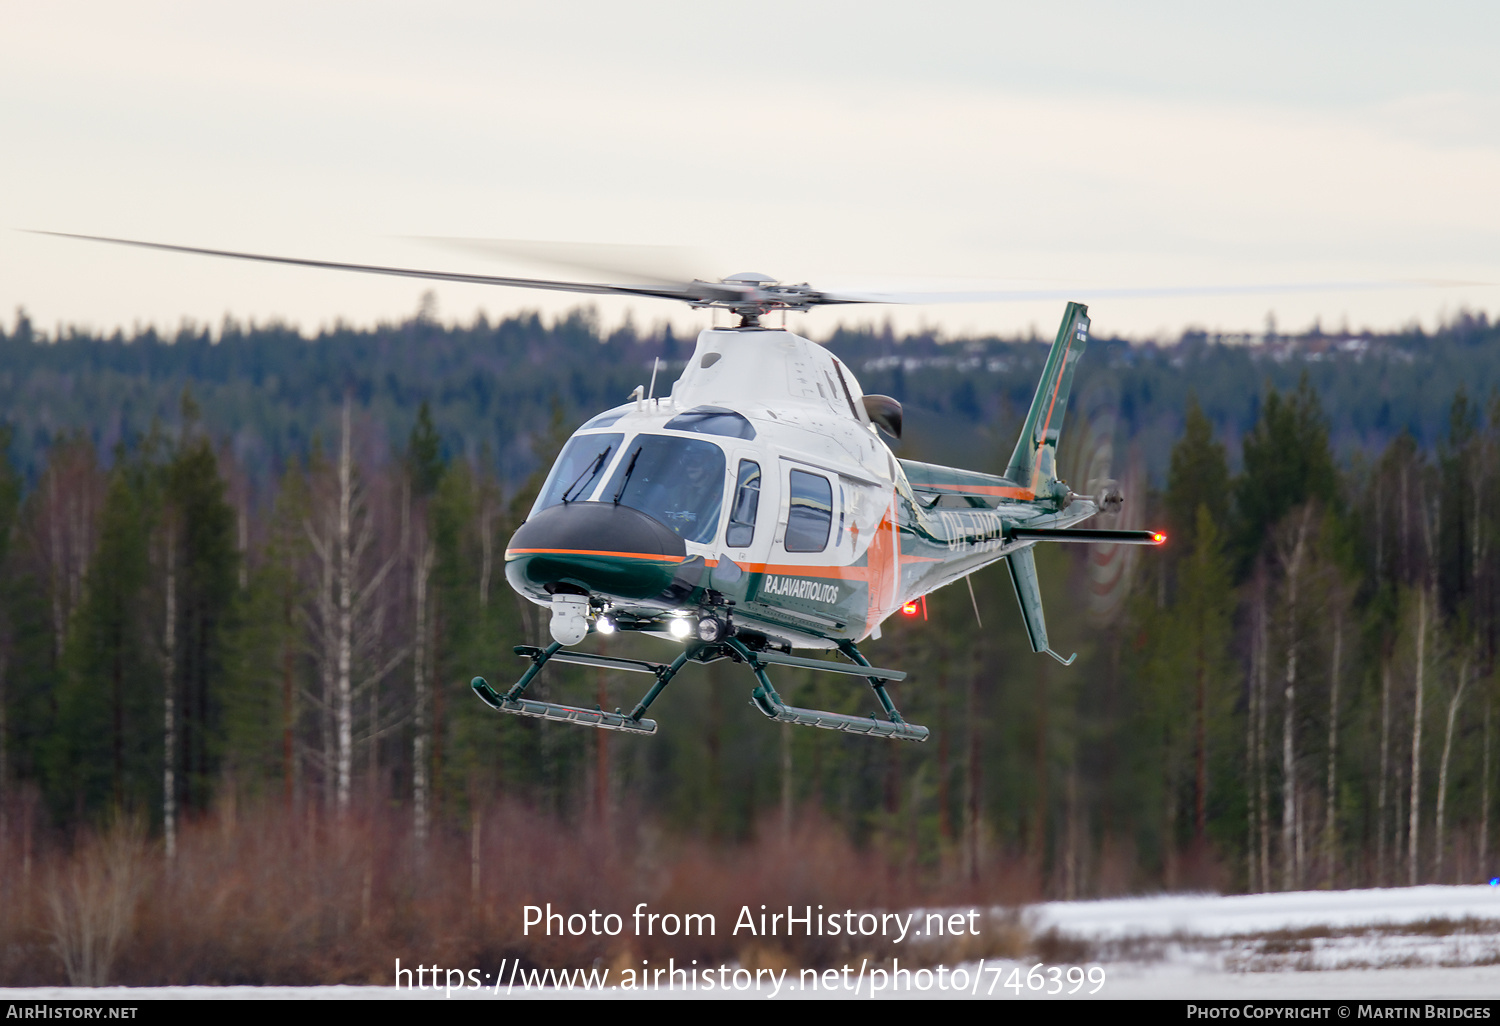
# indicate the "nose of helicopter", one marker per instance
pixel 598 546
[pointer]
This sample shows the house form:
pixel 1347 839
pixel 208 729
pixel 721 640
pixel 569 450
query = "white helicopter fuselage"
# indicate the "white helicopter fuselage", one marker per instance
pixel 838 537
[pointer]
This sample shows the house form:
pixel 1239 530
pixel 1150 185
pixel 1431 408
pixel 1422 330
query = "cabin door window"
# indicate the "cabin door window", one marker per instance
pixel 810 513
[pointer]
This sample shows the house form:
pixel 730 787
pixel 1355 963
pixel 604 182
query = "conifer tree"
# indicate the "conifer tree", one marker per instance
pixel 265 654
pixel 199 524
pixel 1198 478
pixel 10 503
pixel 1287 461
pixel 96 758
pixel 1458 509
pixel 1205 606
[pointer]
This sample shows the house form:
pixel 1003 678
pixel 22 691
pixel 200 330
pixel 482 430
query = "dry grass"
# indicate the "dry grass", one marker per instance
pixel 273 897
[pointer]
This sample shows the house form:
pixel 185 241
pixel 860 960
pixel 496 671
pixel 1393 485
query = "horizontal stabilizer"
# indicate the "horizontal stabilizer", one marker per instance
pixel 1084 536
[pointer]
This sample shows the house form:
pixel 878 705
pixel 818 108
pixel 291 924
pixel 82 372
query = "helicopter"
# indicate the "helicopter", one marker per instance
pixel 755 508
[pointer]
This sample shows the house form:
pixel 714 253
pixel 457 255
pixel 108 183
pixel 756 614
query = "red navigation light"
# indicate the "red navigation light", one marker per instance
pixel 910 608
pixel 1158 536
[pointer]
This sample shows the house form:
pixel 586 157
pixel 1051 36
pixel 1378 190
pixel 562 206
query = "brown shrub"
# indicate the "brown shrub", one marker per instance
pixel 268 896
pixel 91 902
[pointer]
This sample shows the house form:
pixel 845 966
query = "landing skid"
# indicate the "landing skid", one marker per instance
pixel 764 697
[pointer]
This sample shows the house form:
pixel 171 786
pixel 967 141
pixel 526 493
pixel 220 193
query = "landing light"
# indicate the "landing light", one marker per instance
pixel 604 624
pixel 680 628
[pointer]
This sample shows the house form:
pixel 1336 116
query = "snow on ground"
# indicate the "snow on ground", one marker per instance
pixel 1209 915
pixel 1394 928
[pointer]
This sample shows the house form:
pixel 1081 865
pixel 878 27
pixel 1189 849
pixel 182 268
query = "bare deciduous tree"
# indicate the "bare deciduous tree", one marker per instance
pixel 346 620
pixel 1292 557
pixel 1414 803
pixel 1440 838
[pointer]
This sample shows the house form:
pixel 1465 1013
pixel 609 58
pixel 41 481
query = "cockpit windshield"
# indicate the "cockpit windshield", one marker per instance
pixel 574 474
pixel 679 481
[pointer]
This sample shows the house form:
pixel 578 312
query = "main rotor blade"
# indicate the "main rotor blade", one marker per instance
pixel 1145 292
pixel 646 265
pixel 737 295
pixel 687 292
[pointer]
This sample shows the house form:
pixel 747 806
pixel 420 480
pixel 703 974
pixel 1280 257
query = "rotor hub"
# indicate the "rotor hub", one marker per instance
pixel 752 294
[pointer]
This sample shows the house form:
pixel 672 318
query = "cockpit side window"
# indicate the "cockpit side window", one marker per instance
pixel 577 469
pixel 746 504
pixel 811 514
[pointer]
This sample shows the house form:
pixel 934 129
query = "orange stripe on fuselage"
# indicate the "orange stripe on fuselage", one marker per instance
pixel 836 573
pixel 1003 491
pixel 884 559
pixel 654 557
pixel 833 573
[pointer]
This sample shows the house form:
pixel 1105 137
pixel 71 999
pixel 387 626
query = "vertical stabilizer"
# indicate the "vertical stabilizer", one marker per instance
pixel 1034 463
pixel 1022 565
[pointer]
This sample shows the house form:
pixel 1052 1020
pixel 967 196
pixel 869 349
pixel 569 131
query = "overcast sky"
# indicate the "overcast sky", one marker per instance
pixel 1080 146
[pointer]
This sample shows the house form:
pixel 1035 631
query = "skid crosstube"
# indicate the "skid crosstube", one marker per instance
pixel 633 722
pixel 764 697
pixel 769 702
